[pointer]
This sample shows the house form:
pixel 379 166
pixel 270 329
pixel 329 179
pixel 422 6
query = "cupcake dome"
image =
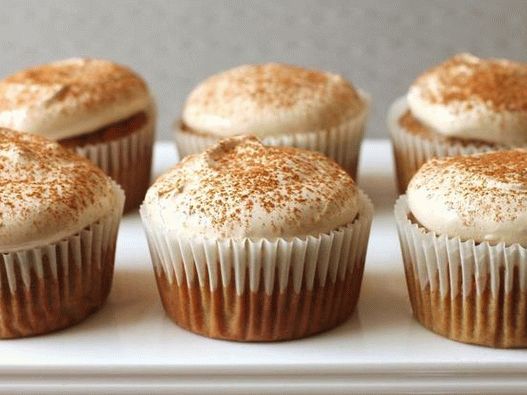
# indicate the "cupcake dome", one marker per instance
pixel 240 188
pixel 471 98
pixel 270 99
pixel 47 192
pixel 481 197
pixel 70 97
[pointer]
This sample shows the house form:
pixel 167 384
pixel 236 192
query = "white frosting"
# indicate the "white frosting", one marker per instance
pixel 71 97
pixel 240 188
pixel 270 99
pixel 47 193
pixel 470 98
pixel 481 197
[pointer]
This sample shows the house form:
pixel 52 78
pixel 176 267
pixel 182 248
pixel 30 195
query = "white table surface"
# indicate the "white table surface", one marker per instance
pixel 130 345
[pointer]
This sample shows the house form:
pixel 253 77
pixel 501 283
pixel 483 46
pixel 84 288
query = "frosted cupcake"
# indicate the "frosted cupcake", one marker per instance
pixel 257 243
pixel 59 216
pixel 463 106
pixel 282 105
pixel 463 231
pixel 100 109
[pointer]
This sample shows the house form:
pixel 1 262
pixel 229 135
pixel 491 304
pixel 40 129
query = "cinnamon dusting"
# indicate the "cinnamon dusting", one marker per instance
pixel 490 185
pixel 500 84
pixel 266 92
pixel 43 183
pixel 89 82
pixel 240 174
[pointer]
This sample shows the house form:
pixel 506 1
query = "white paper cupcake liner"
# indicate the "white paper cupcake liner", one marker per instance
pixel 412 150
pixel 128 160
pixel 341 143
pixel 239 284
pixel 464 290
pixel 53 286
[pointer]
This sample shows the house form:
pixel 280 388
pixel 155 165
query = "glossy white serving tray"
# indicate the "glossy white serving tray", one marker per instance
pixel 130 345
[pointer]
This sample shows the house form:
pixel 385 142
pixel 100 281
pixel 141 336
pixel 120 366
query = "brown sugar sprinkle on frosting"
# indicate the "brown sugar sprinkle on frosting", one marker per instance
pixel 490 185
pixel 500 84
pixel 46 189
pixel 270 98
pixel 71 97
pixel 273 84
pixel 243 188
pixel 88 82
pixel 508 167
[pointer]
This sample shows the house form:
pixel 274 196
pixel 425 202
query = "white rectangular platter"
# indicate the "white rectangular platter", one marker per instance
pixel 131 346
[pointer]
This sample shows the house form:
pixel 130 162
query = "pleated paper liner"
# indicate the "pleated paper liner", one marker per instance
pixel 128 160
pixel 412 150
pixel 265 289
pixel 341 143
pixel 466 291
pixel 47 288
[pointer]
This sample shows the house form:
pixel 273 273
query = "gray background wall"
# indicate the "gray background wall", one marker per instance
pixel 379 45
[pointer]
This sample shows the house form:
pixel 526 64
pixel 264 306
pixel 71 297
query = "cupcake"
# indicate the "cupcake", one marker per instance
pixel 99 109
pixel 466 105
pixel 463 232
pixel 282 105
pixel 257 243
pixel 59 216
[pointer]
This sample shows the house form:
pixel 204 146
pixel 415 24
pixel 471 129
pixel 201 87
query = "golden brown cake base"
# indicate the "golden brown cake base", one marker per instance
pixel 108 133
pixel 257 316
pixel 482 319
pixel 135 179
pixel 124 151
pixel 50 303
